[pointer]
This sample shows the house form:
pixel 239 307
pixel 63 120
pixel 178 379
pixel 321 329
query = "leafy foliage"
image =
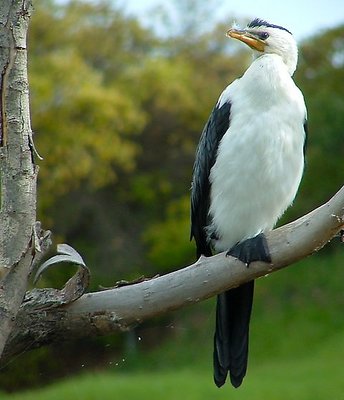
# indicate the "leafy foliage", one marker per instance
pixel 320 76
pixel 80 120
pixel 117 113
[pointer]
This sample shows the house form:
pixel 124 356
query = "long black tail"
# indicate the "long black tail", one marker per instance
pixel 233 312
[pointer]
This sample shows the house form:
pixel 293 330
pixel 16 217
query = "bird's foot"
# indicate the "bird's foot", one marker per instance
pixel 255 249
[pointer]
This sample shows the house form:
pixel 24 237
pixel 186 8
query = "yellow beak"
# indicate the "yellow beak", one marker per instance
pixel 246 37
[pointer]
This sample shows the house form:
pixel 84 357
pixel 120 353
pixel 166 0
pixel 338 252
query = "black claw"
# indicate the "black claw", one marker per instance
pixel 255 249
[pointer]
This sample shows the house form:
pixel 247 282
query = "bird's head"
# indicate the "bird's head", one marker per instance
pixel 266 38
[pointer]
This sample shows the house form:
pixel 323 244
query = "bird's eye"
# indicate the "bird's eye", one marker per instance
pixel 263 35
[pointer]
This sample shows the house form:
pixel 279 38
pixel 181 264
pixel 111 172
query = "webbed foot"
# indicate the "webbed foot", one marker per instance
pixel 254 249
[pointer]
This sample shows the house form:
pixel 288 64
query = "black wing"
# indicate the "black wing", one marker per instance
pixel 233 308
pixel 213 132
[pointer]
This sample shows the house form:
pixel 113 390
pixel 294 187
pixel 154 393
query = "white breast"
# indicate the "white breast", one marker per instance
pixel 260 158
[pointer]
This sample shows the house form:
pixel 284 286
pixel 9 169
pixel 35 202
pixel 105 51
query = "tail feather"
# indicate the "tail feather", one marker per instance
pixel 233 312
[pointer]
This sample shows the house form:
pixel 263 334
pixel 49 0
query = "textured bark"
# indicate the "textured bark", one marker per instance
pixel 41 320
pixel 19 239
pixel 18 173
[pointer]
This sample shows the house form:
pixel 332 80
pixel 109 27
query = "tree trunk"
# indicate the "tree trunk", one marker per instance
pixel 18 172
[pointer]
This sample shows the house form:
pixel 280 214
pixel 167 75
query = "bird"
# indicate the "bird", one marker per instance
pixel 248 167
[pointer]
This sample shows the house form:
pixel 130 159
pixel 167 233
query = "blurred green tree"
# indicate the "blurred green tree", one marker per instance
pixel 321 78
pixel 84 125
pixel 115 110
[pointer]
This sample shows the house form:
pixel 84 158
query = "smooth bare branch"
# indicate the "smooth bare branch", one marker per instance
pixel 100 313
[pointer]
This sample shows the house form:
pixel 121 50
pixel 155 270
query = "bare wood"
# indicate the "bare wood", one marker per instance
pixel 100 313
pixel 213 275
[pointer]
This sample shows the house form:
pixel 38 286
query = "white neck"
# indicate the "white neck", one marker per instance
pixel 288 58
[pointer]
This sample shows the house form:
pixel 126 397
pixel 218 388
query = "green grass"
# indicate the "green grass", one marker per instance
pixel 318 376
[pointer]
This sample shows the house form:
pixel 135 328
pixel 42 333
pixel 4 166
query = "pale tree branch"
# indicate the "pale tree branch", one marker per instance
pixel 40 321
